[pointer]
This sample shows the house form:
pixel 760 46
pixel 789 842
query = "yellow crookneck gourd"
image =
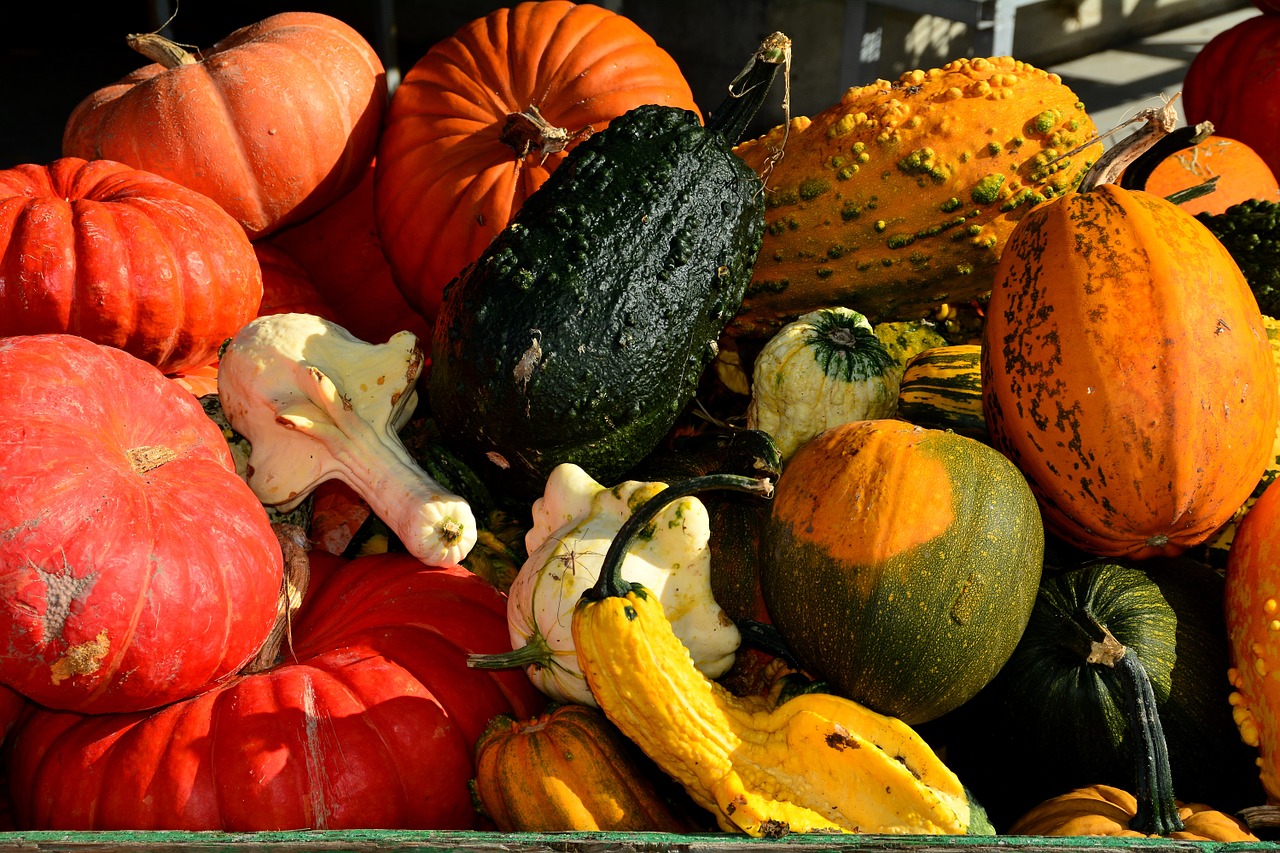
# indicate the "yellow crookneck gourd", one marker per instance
pixel 813 763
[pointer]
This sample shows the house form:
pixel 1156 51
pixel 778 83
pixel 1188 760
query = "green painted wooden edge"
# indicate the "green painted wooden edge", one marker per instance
pixel 389 841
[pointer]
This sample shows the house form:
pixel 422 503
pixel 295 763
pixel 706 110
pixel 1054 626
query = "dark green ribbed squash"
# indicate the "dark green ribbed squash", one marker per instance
pixel 582 331
pixel 1052 721
pixel 900 564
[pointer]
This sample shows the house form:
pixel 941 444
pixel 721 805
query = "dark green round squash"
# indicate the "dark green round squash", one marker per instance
pixel 900 564
pixel 1052 721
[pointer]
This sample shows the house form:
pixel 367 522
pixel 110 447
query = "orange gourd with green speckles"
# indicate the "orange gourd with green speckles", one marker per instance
pixel 1253 630
pixel 899 197
pixel 1126 369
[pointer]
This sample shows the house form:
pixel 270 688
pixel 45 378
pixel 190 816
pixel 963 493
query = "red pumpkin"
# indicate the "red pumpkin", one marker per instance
pixel 273 122
pixel 340 249
pixel 487 114
pixel 370 721
pixel 1233 82
pixel 124 258
pixel 136 567
pixel 1242 175
pixel 287 287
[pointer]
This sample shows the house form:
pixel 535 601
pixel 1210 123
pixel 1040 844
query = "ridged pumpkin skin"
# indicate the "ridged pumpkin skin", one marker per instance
pixel 1104 810
pixel 124 258
pixel 273 122
pixel 1126 372
pixel 136 567
pixel 446 181
pixel 899 197
pixel 367 722
pixel 568 769
pixel 901 563
pixel 1253 600
pixel 1232 81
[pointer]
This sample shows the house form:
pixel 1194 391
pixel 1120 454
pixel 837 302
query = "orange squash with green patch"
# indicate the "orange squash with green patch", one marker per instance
pixel 901 563
pixel 899 197
pixel 1126 369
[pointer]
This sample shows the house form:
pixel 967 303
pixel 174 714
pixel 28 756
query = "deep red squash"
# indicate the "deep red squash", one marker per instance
pixel 122 257
pixel 287 287
pixel 370 721
pixel 1233 82
pixel 483 118
pixel 340 249
pixel 273 122
pixel 136 567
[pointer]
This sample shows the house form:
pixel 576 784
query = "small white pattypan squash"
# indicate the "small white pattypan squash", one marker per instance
pixel 824 369
pixel 573 523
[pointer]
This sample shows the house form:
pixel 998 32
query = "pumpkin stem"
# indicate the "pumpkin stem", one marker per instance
pixel 747 91
pixel 609 583
pixel 1135 177
pixel 1158 123
pixel 536 652
pixel 1157 812
pixel 1196 191
pixel 297 575
pixel 527 132
pixel 159 49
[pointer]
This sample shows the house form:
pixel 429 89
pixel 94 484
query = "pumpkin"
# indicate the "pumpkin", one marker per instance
pixel 138 567
pixel 568 769
pixel 286 286
pixel 1232 80
pixel 900 564
pixel 899 197
pixel 1126 369
pixel 1252 592
pixel 1151 809
pixel 1241 175
pixel 341 251
pixel 273 122
pixel 1053 720
pixel 124 258
pixel 368 721
pixel 484 117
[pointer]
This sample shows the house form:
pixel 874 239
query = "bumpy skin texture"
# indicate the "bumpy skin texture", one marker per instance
pixel 273 122
pixel 901 564
pixel 136 566
pixel 1232 82
pixel 899 197
pixel 814 763
pixel 368 722
pixel 1126 372
pixel 1252 594
pixel 583 329
pixel 447 182
pixel 122 257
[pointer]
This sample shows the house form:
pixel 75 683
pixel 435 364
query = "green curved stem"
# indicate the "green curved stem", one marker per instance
pixel 535 652
pixel 609 583
pixel 1157 812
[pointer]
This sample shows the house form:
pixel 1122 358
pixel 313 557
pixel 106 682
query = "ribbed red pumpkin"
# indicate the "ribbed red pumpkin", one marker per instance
pixel 369 722
pixel 136 567
pixel 273 122
pixel 340 249
pixel 1126 372
pixel 461 149
pixel 1233 82
pixel 124 258
pixel 287 288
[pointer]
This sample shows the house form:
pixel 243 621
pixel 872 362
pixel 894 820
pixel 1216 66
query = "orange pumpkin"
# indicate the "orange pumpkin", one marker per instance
pixel 1242 174
pixel 273 122
pixel 1104 810
pixel 1252 593
pixel 1126 369
pixel 482 119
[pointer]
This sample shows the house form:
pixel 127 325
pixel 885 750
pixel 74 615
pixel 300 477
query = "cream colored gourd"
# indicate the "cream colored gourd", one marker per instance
pixel 573 523
pixel 317 403
pixel 825 369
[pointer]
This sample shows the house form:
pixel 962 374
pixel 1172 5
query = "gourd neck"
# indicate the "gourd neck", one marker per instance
pixel 1157 811
pixel 1158 123
pixel 610 583
pixel 747 91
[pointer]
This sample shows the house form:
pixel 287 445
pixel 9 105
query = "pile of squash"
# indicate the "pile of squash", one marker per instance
pixel 527 450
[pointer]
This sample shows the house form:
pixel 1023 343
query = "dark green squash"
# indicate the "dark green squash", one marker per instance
pixel 583 330
pixel 1052 721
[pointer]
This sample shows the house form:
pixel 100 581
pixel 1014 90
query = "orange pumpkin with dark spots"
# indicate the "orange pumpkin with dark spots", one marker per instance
pixel 901 563
pixel 1126 371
